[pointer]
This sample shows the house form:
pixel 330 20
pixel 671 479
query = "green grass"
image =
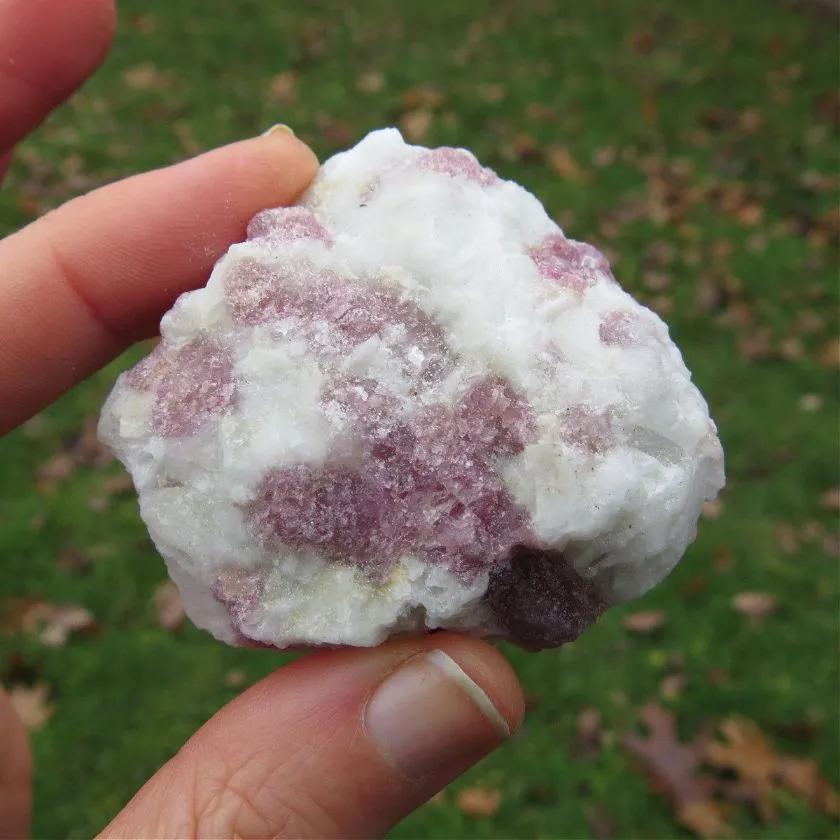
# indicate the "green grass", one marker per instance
pixel 663 84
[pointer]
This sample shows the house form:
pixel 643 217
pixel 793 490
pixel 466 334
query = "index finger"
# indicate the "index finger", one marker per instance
pixel 88 279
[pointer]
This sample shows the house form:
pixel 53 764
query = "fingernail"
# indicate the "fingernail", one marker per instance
pixel 429 718
pixel 278 128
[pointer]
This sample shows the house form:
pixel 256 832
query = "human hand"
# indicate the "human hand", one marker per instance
pixel 338 744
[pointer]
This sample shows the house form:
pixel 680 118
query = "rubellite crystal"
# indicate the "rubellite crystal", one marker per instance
pixel 409 403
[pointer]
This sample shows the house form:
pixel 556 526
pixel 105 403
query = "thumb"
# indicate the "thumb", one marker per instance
pixel 338 744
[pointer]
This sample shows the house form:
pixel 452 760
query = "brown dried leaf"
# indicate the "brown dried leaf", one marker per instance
pixel 792 349
pixel 422 99
pixel 672 686
pixel 802 777
pixel 831 499
pixel 88 450
pixel 587 741
pixel 750 755
pixel 560 159
pixel 31 704
pixel 118 485
pixel 234 678
pixel 72 560
pixel 370 82
pixel 62 620
pixel 756 344
pixel 709 293
pixel 145 77
pixel 479 801
pixel 673 768
pixel 644 622
pixel 828 107
pixel 705 818
pixel 712 509
pixel 541 113
pixel 415 125
pixel 755 605
pixel 810 403
pixel 601 824
pixel 53 472
pixel 525 149
pixel 169 607
pixel 53 623
pixel 830 353
pixel 283 87
pixel 603 157
pixel 492 93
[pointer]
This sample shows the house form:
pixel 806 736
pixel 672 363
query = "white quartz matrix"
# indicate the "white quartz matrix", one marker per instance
pixel 410 402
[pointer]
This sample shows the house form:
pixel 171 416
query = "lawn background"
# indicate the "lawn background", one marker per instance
pixel 695 142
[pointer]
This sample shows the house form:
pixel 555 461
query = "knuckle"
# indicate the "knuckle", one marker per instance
pixel 255 799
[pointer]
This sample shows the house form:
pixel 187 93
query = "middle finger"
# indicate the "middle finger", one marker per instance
pixel 48 48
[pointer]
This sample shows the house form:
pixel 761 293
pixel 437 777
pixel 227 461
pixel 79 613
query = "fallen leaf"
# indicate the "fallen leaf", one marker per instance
pixel 86 448
pixel 673 767
pixel 145 77
pixel 415 125
pixel 422 98
pixel 696 586
pixel 72 560
pixel 31 704
pixel 792 349
pixel 756 344
pixel 705 818
pixel 144 24
pixel 601 824
pixel 747 753
pixel 718 676
pixel 370 82
pixel 561 161
pixel 810 403
pixel 831 499
pixel 587 740
pixel 755 605
pixel 524 149
pixel 541 113
pixel 283 87
pixel 55 471
pixel 118 485
pixel 828 107
pixel 786 538
pixel 169 607
pixel 233 679
pixel 53 623
pixel 672 686
pixel 479 801
pixel 185 134
pixel 802 777
pixel 712 509
pixel 644 622
pixel 14 612
pixel 830 353
pixel 709 293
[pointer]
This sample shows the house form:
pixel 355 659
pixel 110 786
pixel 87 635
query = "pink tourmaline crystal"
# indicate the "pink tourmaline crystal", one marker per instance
pixel 411 402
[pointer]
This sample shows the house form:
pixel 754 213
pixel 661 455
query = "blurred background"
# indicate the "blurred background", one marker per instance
pixel 696 143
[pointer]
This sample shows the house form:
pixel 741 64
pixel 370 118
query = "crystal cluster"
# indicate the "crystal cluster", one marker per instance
pixel 410 402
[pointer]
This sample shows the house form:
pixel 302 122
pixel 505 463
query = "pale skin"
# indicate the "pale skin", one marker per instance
pixel 320 748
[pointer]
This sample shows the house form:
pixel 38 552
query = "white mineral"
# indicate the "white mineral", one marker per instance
pixel 407 403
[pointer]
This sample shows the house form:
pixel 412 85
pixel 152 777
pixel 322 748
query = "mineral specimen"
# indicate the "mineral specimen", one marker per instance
pixel 408 403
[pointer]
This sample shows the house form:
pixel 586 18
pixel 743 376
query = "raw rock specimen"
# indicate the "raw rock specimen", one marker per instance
pixel 410 402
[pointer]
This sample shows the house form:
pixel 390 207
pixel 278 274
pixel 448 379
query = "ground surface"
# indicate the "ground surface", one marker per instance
pixel 697 144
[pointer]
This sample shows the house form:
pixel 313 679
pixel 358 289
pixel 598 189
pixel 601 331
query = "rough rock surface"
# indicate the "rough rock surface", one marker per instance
pixel 410 402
